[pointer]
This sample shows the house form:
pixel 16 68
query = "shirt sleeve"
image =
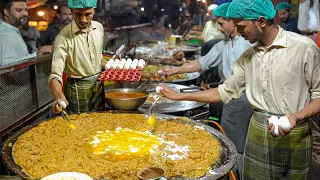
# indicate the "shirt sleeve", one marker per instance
pixel 213 57
pixel 312 70
pixel 234 86
pixel 58 59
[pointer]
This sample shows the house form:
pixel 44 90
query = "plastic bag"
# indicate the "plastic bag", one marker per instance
pixel 303 16
pixel 161 54
pixel 314 21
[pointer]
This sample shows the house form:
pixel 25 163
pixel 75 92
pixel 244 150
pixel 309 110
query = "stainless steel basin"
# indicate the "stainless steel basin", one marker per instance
pixel 126 104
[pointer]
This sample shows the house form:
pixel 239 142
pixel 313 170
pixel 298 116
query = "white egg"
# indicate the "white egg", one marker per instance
pixel 108 66
pixel 111 61
pixel 142 61
pixel 126 66
pixel 160 72
pixel 276 130
pixel 123 60
pixel 58 107
pixel 158 88
pixel 135 60
pixel 133 66
pixel 284 123
pixel 129 60
pixel 63 104
pixel 273 120
pixel 114 66
pixel 120 66
pixel 134 63
pixel 141 65
pixel 122 63
pixel 117 61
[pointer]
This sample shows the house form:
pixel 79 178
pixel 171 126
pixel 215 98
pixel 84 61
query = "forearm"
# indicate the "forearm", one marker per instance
pixel 56 89
pixel 208 96
pixel 189 67
pixel 200 37
pixel 310 110
pixel 196 32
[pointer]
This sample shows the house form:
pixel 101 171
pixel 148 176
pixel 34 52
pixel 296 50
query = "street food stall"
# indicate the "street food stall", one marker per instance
pixel 37 145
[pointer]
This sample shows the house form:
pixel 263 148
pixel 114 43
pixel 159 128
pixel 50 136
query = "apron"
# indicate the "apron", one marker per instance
pixel 268 157
pixel 84 95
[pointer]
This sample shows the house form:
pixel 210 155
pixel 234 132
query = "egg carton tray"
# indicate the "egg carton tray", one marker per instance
pixel 122 75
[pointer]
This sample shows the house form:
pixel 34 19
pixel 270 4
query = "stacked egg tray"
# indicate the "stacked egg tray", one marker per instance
pixel 124 70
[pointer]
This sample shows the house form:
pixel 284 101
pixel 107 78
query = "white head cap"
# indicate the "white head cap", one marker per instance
pixel 212 7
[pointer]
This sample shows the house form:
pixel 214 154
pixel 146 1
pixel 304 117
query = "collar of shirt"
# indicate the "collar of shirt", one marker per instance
pixel 279 42
pixel 4 25
pixel 237 37
pixel 77 30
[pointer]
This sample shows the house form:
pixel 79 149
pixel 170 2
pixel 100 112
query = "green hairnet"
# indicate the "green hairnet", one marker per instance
pixel 221 10
pixel 82 4
pixel 283 5
pixel 251 9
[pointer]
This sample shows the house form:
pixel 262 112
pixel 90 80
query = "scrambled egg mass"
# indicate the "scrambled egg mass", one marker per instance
pixel 115 146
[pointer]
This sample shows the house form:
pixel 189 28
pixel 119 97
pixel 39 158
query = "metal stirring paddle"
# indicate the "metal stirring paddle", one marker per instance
pixel 64 114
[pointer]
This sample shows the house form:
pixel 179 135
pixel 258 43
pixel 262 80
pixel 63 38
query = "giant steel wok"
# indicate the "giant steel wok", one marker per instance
pixel 222 167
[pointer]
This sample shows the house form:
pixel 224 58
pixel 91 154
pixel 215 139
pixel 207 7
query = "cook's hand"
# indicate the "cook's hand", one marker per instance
pixel 292 119
pixel 168 72
pixel 170 93
pixel 191 32
pixel 58 102
pixel 189 37
pixel 44 50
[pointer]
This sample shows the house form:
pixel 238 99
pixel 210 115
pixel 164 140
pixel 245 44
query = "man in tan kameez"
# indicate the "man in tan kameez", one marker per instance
pixel 281 76
pixel 77 51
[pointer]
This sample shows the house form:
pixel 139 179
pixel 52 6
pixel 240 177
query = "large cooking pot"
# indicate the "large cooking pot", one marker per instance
pixel 227 157
pixel 122 101
pixel 164 106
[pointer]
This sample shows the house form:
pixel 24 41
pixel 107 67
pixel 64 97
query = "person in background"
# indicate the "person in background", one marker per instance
pixel 143 18
pixel 65 17
pixel 199 19
pixel 281 76
pixel 157 20
pixel 30 35
pixel 186 23
pixel 237 113
pixel 210 34
pixel 12 46
pixel 288 22
pixel 55 20
pixel 77 51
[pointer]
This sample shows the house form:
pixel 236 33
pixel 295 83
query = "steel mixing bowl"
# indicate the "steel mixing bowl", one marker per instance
pixel 126 104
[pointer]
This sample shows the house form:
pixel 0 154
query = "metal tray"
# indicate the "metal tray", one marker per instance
pixel 219 169
pixel 191 76
pixel 168 106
